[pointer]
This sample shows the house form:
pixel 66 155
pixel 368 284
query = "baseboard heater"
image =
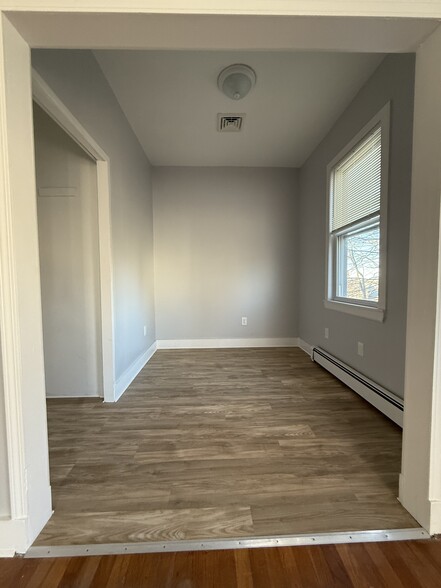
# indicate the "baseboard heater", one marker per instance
pixel 386 402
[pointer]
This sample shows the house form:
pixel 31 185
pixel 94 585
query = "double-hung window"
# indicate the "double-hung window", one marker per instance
pixel 357 205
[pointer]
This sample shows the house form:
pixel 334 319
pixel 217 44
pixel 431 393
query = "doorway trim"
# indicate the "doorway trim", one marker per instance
pixel 23 372
pixel 44 96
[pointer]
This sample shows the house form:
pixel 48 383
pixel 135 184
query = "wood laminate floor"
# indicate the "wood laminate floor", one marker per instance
pixel 222 443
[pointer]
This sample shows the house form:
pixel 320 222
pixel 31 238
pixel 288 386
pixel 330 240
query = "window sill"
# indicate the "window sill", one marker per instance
pixel 375 314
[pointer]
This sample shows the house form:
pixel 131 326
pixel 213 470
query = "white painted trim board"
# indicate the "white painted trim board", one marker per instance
pixel 366 8
pixel 11 348
pixel 127 377
pixel 12 537
pixel 70 396
pixel 44 96
pixel 306 347
pixel 226 343
pixel 16 535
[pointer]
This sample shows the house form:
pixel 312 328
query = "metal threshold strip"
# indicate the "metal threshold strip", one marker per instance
pixel 213 544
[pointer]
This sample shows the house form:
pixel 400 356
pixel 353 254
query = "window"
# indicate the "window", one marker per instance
pixel 357 193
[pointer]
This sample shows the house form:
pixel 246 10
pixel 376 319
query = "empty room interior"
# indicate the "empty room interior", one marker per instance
pixel 259 230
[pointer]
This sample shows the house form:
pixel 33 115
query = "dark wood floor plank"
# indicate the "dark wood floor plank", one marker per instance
pixel 421 565
pixel 323 571
pixel 266 569
pixel 8 569
pixel 118 572
pixel 384 568
pixel 244 576
pixel 24 575
pixel 307 572
pixel 340 576
pixel 202 570
pixel 53 578
pixel 394 554
pixel 104 571
pixel 408 564
pixel 40 572
pixel 141 573
pixel 429 550
pixel 360 565
pixel 80 572
pixel 291 567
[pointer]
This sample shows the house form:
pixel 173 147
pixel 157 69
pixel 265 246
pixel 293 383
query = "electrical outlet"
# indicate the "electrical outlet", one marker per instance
pixel 360 349
pixel 326 333
pixel 145 331
pixel 244 321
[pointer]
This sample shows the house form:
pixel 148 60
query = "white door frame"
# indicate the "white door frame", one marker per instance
pixel 44 96
pixel 420 479
pixel 20 315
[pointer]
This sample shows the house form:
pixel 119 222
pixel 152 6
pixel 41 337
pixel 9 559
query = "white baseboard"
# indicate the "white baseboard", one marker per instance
pixel 127 377
pixel 306 347
pixel 12 537
pixel 7 552
pixel 39 515
pixel 17 535
pixel 400 486
pixel 225 343
pixel 420 508
pixel 435 517
pixel 70 396
pixel 426 511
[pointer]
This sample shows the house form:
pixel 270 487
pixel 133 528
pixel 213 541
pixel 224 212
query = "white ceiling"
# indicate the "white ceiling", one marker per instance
pixel 171 100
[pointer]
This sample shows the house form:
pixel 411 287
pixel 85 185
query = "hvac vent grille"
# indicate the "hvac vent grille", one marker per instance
pixel 230 123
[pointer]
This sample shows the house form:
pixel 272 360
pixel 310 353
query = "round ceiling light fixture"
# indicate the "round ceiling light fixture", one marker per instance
pixel 235 81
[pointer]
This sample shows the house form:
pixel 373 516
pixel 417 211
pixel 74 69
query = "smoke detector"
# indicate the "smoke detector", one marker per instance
pixel 229 123
pixel 235 81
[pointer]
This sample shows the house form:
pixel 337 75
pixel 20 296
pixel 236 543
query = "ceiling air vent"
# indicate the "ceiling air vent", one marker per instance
pixel 230 123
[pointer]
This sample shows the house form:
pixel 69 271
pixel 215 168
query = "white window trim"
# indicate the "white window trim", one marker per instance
pixel 378 311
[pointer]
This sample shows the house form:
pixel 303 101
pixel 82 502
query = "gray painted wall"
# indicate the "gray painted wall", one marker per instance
pixel 79 82
pixel 225 238
pixel 225 247
pixel 69 263
pixel 384 343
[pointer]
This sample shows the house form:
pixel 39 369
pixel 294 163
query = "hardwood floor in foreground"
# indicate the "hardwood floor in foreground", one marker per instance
pixel 222 443
pixel 413 564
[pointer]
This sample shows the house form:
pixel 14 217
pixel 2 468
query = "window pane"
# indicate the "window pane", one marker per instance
pixel 359 264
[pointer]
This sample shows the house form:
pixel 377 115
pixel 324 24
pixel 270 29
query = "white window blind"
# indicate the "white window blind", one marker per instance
pixel 357 183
